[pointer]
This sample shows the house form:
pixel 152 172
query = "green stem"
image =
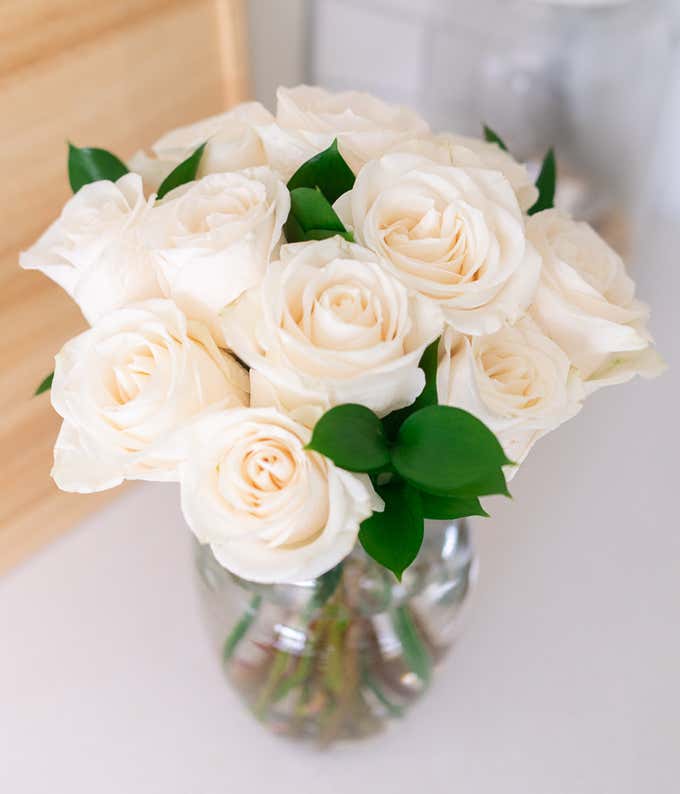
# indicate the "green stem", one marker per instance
pixel 334 673
pixel 278 668
pixel 347 693
pixel 416 655
pixel 241 628
pixel 298 677
pixel 372 685
pixel 324 590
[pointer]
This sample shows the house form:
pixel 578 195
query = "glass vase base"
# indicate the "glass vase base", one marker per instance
pixel 340 657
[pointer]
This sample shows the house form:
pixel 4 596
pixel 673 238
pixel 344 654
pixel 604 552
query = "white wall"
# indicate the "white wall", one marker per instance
pixel 666 179
pixel 413 52
pixel 278 32
pixel 440 57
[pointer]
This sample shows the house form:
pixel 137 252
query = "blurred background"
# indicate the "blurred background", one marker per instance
pixel 592 78
pixel 566 681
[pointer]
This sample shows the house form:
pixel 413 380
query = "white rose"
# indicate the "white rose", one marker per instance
pixel 217 236
pixel 329 325
pixel 271 510
pixel 124 388
pixel 491 156
pixel 454 235
pixel 366 127
pixel 517 381
pixel 232 142
pixel 586 303
pixel 459 150
pixel 96 250
pixel 286 150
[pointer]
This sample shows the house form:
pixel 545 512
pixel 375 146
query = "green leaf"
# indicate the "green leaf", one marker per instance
pixel 185 172
pixel 492 137
pixel 313 211
pixel 448 452
pixel 90 165
pixel 294 232
pixel 415 652
pixel 428 396
pixel 450 507
pixel 546 184
pixel 352 437
pixel 394 537
pixel 312 217
pixel 45 385
pixel 328 171
pixel 324 234
pixel 241 628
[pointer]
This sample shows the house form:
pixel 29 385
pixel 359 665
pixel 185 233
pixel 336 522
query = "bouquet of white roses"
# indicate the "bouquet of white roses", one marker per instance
pixel 327 324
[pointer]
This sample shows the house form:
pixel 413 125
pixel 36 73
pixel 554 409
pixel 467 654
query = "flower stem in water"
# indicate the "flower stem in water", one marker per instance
pixel 241 628
pixel 416 655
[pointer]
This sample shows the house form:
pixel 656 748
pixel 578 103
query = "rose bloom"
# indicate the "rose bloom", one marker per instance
pixel 454 235
pixel 96 250
pixel 366 127
pixel 271 510
pixel 490 155
pixel 516 380
pixel 459 150
pixel 248 135
pixel 328 325
pixel 126 386
pixel 586 303
pixel 231 138
pixel 213 238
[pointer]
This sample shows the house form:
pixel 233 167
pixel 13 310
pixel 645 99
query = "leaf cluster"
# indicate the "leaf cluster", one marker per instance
pixel 314 187
pixel 425 461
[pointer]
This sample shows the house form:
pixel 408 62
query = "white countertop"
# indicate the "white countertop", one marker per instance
pixel 566 680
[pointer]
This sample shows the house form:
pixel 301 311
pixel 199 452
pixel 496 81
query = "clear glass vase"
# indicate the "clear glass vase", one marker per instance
pixel 341 656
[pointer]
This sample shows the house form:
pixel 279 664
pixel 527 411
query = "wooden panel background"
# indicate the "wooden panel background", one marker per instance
pixel 112 74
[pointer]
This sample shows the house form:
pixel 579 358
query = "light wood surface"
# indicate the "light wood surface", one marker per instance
pixel 112 74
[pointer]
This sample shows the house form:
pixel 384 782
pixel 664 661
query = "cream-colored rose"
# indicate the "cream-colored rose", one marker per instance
pixel 491 156
pixel 214 239
pixel 366 127
pixel 231 138
pixel 459 150
pixel 96 250
pixel 271 510
pixel 586 303
pixel 127 386
pixel 329 325
pixel 516 380
pixel 286 149
pixel 454 235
